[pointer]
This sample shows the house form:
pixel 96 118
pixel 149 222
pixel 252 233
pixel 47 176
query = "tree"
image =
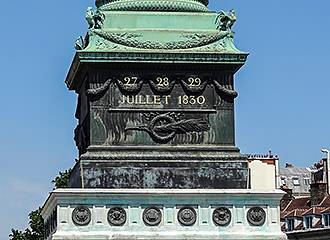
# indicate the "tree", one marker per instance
pixel 62 180
pixel 36 230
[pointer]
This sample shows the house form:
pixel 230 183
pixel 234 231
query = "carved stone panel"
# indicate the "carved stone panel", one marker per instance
pixel 150 107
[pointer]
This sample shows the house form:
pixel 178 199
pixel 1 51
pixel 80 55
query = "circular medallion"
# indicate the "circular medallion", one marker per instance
pixel 222 216
pixel 117 216
pixel 81 216
pixel 152 216
pixel 187 216
pixel 256 216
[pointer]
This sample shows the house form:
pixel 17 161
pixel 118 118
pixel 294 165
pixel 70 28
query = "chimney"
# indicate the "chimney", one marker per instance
pixel 318 192
pixel 286 199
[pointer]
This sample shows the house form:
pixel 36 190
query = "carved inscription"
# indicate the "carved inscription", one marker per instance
pixel 161 100
pixel 163 92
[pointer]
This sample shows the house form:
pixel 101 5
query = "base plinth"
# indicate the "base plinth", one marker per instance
pixel 161 168
pixel 162 214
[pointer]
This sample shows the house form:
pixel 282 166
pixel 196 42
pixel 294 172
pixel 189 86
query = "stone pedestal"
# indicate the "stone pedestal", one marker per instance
pixel 162 214
pixel 178 167
pixel 156 130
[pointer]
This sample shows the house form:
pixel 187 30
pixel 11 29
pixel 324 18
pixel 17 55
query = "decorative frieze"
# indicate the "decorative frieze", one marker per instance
pixel 152 216
pixel 131 214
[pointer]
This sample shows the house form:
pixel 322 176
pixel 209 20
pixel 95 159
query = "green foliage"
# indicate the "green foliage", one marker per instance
pixel 36 228
pixel 62 180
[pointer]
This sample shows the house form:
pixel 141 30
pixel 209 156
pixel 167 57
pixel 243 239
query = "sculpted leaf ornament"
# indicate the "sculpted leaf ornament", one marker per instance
pixel 162 128
pixel 136 40
pixel 81 42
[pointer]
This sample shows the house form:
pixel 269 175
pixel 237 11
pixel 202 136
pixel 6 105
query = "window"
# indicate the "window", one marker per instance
pixel 296 181
pixel 309 222
pixel 326 220
pixel 306 181
pixel 290 224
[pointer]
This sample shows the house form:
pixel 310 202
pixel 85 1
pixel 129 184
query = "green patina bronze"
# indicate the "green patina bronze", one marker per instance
pixel 155 80
pixel 156 132
pixel 157 30
pixel 153 5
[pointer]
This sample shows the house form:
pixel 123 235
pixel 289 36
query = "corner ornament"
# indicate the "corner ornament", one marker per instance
pixel 223 90
pixel 225 21
pixel 162 128
pixel 99 90
pixel 81 43
pixel 95 19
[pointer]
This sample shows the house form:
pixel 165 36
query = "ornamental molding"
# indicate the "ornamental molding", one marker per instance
pixel 119 56
pixel 189 40
pixel 154 5
pixel 107 156
pixel 136 87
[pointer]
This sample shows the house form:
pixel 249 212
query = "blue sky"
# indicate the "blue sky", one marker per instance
pixel 283 103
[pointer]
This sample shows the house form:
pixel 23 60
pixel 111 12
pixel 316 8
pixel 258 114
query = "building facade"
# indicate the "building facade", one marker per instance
pixel 306 216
